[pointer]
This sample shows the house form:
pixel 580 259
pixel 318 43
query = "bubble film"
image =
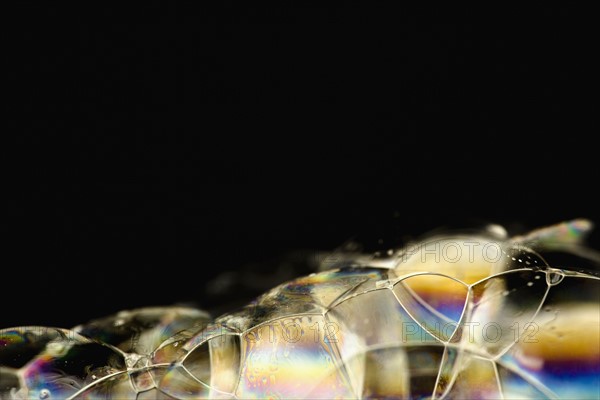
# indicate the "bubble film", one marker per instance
pixel 448 317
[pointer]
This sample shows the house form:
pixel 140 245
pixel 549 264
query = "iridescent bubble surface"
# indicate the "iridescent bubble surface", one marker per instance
pixel 453 316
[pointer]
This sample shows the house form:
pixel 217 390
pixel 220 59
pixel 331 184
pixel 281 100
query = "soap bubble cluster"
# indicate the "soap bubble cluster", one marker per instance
pixel 448 317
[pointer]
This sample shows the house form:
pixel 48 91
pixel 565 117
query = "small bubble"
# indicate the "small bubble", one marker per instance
pixel 505 293
pixel 251 378
pixel 390 252
pixel 264 380
pixel 94 377
pixel 554 278
pixel 44 394
pixel 529 284
pixel 537 276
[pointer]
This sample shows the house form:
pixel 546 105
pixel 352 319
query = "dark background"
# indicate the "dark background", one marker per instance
pixel 165 145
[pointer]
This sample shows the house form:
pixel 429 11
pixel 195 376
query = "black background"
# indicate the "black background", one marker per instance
pixel 166 144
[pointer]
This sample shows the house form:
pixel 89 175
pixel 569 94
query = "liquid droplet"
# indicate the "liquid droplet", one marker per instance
pixel 529 284
pixel 44 394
